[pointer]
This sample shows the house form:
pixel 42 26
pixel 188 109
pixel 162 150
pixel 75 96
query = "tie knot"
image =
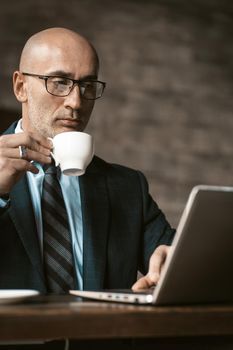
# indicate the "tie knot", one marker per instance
pixel 51 169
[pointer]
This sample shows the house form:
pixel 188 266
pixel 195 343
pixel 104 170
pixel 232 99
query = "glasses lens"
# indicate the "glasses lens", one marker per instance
pixel 59 86
pixel 91 90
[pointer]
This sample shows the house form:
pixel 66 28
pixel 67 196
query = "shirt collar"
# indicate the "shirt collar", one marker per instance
pixel 19 127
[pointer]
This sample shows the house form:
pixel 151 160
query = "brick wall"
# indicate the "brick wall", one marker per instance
pixel 168 64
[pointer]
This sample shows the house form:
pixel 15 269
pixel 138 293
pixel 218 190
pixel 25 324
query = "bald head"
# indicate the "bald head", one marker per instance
pixel 51 44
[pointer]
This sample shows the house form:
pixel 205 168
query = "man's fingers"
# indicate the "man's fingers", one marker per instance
pixel 14 153
pixel 156 264
pixel 12 165
pixel 31 141
pixel 17 151
pixel 38 143
pixel 145 282
pixel 36 156
pixel 140 284
pixel 26 166
pixel 157 259
pixel 43 141
pixel 35 147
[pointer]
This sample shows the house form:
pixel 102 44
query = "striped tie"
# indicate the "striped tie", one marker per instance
pixel 58 257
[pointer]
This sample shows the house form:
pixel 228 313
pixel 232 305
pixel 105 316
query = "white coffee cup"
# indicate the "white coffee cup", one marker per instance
pixel 73 151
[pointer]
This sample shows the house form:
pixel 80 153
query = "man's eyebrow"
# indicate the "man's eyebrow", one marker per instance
pixel 62 73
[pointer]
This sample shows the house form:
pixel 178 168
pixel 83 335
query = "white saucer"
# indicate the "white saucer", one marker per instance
pixel 8 296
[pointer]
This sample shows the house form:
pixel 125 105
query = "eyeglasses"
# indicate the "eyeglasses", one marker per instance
pixel 62 86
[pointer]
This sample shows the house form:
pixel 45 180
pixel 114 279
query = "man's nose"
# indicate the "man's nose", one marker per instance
pixel 74 99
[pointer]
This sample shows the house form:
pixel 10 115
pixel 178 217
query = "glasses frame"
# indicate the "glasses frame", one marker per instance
pixel 74 81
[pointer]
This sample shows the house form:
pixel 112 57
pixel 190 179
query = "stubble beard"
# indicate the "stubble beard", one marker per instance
pixel 38 118
pixel 40 123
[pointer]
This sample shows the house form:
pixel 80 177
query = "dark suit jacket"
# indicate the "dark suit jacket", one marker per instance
pixel 122 226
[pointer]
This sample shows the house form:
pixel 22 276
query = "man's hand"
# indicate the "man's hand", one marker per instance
pixel 157 260
pixel 12 165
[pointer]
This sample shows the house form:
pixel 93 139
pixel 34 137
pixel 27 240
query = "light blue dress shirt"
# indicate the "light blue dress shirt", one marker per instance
pixel 71 193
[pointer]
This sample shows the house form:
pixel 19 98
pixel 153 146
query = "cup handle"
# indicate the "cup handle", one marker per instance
pixel 52 154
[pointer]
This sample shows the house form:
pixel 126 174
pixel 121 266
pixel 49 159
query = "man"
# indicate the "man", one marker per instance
pixel 116 227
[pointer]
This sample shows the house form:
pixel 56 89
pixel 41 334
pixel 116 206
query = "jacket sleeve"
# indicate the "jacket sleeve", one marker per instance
pixel 156 229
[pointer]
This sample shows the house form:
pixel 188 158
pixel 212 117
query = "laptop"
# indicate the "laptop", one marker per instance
pixel 199 266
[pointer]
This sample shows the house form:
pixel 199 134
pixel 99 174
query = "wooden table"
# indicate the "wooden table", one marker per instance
pixel 47 318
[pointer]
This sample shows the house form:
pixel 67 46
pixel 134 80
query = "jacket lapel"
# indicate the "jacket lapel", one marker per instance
pixel 22 215
pixel 95 207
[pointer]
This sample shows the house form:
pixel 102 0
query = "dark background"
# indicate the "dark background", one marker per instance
pixel 168 64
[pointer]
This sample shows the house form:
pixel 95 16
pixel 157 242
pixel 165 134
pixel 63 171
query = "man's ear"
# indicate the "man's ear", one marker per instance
pixel 19 87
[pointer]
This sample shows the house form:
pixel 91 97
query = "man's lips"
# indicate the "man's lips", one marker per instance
pixel 70 122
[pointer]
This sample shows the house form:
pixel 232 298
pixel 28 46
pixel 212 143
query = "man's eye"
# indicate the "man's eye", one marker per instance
pixel 59 81
pixel 89 85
